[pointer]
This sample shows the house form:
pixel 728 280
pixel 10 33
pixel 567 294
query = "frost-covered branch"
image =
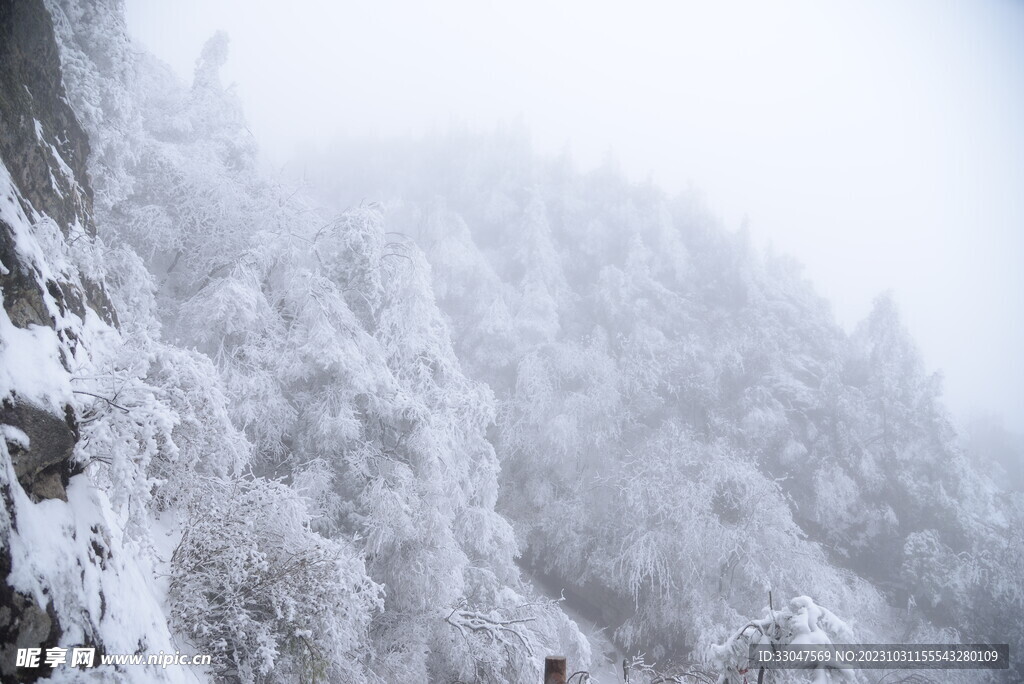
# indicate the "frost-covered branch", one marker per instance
pixel 802 622
pixel 504 632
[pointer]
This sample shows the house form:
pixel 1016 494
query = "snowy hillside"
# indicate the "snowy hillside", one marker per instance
pixel 683 427
pixel 448 410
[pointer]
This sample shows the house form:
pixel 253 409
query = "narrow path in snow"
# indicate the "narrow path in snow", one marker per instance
pixel 606 658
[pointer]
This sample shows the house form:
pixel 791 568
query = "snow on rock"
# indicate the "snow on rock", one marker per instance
pixel 96 587
pixel 69 575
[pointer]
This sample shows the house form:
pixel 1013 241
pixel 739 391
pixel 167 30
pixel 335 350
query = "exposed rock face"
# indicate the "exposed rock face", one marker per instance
pixel 23 624
pixel 45 151
pixel 43 465
pixel 39 134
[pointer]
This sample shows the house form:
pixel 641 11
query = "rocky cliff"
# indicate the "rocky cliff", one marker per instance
pixel 63 571
pixel 44 152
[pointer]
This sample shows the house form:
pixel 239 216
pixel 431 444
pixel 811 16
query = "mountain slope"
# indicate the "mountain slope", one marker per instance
pixel 682 426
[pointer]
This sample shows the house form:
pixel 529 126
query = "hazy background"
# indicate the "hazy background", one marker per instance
pixel 880 143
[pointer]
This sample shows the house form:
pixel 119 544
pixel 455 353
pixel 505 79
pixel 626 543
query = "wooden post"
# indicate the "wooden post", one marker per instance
pixel 554 670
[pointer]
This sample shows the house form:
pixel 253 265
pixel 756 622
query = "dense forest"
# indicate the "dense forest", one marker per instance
pixel 389 419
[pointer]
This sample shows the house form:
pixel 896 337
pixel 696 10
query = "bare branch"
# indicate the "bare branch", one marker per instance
pixel 98 396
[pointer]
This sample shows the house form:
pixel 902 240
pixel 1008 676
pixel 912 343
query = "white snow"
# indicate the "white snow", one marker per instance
pixel 14 435
pixel 72 554
pixel 30 365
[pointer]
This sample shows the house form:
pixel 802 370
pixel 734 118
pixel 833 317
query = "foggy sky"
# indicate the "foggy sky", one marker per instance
pixel 879 143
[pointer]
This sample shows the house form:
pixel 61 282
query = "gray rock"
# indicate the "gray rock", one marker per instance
pixel 44 467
